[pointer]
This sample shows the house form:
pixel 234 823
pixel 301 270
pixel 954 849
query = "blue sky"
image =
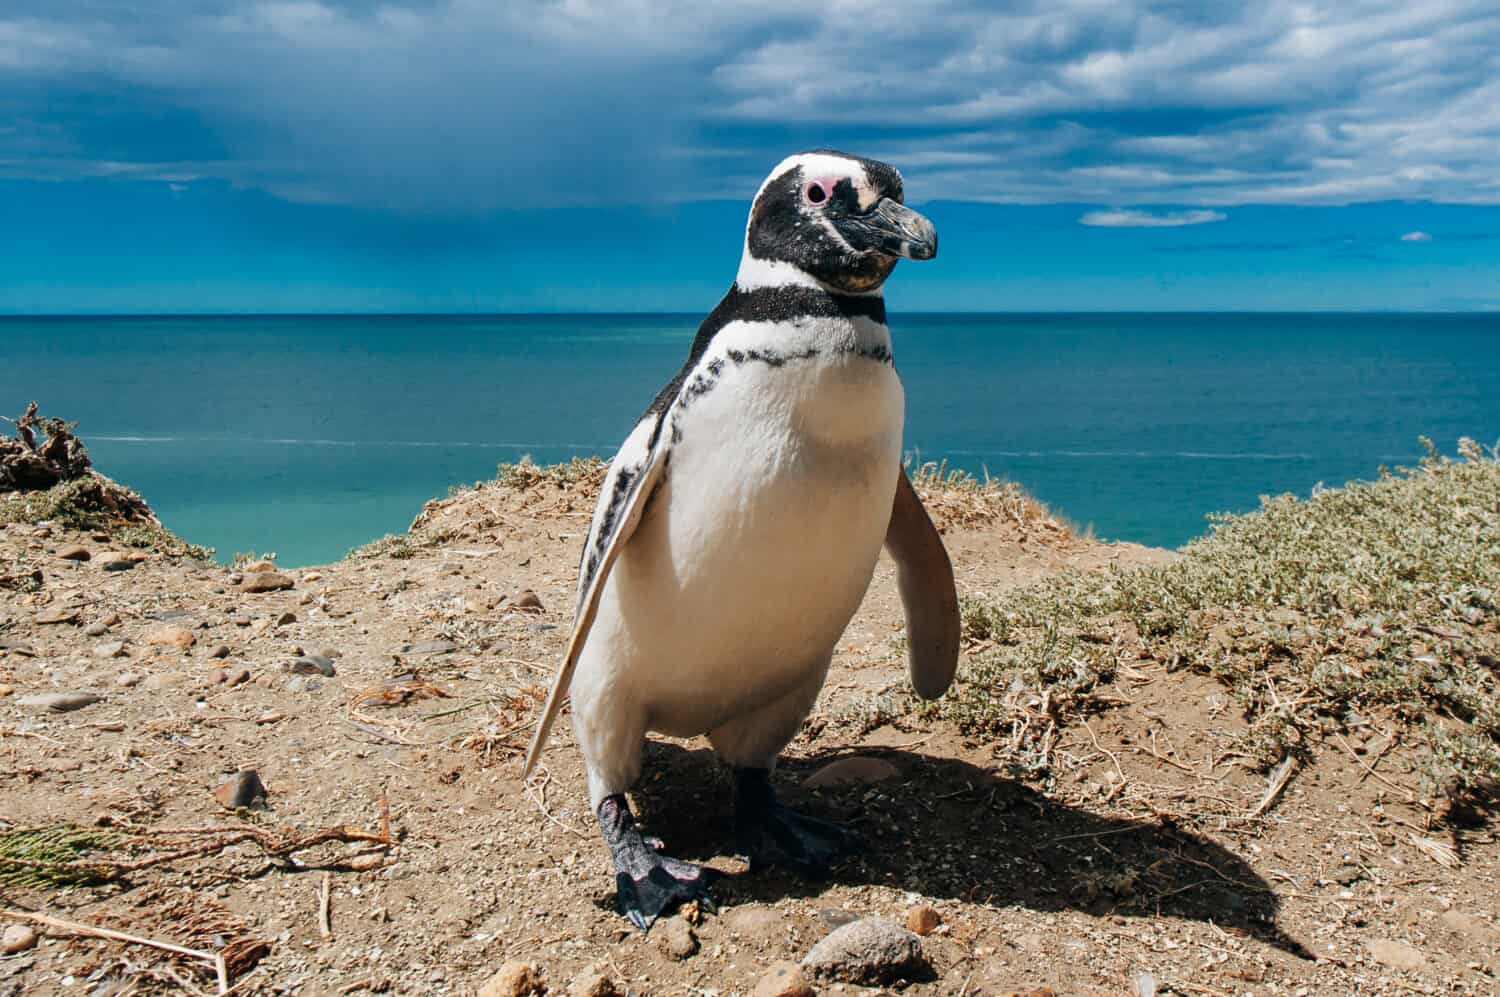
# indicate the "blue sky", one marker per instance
pixel 207 155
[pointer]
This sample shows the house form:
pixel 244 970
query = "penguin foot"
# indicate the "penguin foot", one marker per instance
pixel 808 844
pixel 648 883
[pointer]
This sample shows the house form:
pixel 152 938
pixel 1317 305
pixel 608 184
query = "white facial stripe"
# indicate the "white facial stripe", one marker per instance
pixel 814 164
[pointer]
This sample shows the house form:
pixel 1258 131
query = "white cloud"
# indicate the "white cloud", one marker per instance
pixel 458 105
pixel 1417 236
pixel 1146 219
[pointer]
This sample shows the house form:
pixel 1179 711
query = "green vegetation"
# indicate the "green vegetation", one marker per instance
pixel 55 855
pixel 1376 601
pixel 94 502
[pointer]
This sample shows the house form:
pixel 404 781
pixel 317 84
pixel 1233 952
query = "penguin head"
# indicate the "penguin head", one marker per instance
pixel 838 219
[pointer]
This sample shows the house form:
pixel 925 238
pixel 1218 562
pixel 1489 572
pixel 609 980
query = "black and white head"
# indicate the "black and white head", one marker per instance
pixel 834 218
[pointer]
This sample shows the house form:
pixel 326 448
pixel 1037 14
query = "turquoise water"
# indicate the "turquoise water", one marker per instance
pixel 310 435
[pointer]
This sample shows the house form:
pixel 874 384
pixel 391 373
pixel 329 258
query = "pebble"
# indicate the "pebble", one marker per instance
pixel 678 939
pixel 17 938
pixel 127 679
pixel 311 664
pixel 96 630
pixel 58 702
pixel 258 566
pixel 783 979
pixel 515 979
pixel 285 618
pixel 858 769
pixel 112 620
pixel 218 676
pixel 179 637
pixel 219 651
pixel 527 600
pixel 57 614
pixel 110 649
pixel 243 789
pixel 6 690
pixel 312 576
pixel 593 982
pixel 266 581
pixel 430 647
pixel 74 552
pixel 1396 954
pixel 923 920
pixel 118 563
pixel 239 678
pixel 869 951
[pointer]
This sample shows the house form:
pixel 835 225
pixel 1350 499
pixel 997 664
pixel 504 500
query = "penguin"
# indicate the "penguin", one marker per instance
pixel 739 525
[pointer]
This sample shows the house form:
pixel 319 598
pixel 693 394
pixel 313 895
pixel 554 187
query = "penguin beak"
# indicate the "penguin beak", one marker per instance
pixel 891 229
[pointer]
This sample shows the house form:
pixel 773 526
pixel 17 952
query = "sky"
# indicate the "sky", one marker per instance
pixel 464 155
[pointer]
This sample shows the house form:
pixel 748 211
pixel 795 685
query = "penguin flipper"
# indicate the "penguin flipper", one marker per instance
pixel 924 576
pixel 633 476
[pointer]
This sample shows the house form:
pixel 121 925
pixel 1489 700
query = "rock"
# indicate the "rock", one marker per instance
pixel 858 769
pixel 1348 874
pixel 870 951
pixel 239 678
pixel 110 649
pixel 922 920
pixel 677 938
pixel 243 789
pixel 515 979
pixel 312 576
pixel 74 552
pixel 256 567
pixel 1472 925
pixel 286 618
pixel 17 647
pixel 118 563
pixel 58 702
pixel 218 676
pixel 179 637
pixel 99 537
pixel 430 647
pixel 127 679
pixel 1396 954
pixel 527 601
pixel 783 979
pixel 96 630
pixel 112 620
pixel 311 664
pixel 57 614
pixel 163 680
pixel 266 581
pixel 219 651
pixel 593 982
pixel 6 690
pixel 17 938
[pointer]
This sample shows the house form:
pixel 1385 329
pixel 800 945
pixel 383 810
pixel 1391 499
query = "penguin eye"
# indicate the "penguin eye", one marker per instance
pixel 815 193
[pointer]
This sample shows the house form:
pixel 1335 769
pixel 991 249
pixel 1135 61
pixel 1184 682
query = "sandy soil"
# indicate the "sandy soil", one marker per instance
pixel 1133 868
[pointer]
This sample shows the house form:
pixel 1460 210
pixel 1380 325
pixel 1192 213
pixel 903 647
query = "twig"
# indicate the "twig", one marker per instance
pixel 325 928
pixel 212 958
pixel 1280 776
pixel 1410 796
pixel 540 799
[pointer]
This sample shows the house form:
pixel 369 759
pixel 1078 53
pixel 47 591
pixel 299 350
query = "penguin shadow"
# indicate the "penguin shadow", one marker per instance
pixel 948 829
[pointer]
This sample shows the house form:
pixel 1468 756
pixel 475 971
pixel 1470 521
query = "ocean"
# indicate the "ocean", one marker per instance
pixel 308 436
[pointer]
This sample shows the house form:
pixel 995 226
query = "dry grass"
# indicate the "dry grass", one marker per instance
pixel 958 500
pixel 1376 601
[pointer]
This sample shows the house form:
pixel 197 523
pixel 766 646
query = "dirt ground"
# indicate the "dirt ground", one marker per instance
pixel 1136 865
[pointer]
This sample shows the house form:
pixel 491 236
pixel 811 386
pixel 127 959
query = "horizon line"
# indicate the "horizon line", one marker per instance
pixel 5 316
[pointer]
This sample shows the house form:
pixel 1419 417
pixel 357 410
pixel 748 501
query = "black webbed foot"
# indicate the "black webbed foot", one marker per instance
pixel 648 883
pixel 766 831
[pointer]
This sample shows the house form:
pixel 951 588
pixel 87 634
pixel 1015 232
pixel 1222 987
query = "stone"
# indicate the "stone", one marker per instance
pixel 1395 954
pixel 58 702
pixel 923 920
pixel 57 614
pixel 96 630
pixel 869 951
pixel 239 677
pixel 219 651
pixel 127 679
pixel 255 567
pixel 783 979
pixel 311 664
pixel 858 769
pixel 243 789
pixel 163 680
pixel 112 620
pixel 110 649
pixel 266 581
pixel 172 636
pixel 285 618
pixel 118 563
pixel 527 600
pixel 17 938
pixel 430 647
pixel 677 938
pixel 218 676
pixel 312 576
pixel 593 982
pixel 515 979
pixel 74 552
